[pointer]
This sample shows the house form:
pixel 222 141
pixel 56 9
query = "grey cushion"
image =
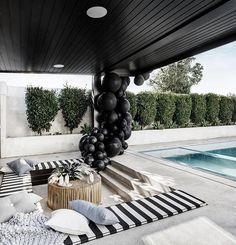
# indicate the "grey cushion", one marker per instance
pixel 98 215
pixel 22 202
pixel 7 209
pixel 19 166
pixel 31 162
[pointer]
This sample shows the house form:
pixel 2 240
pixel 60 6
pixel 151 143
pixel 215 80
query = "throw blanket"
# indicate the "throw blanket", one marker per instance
pixel 29 229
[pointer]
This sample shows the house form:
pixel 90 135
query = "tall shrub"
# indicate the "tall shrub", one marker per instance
pixel 146 108
pixel 73 103
pixel 131 97
pixel 198 112
pixel 183 105
pixel 165 108
pixel 42 107
pixel 213 108
pixel 226 109
pixel 233 97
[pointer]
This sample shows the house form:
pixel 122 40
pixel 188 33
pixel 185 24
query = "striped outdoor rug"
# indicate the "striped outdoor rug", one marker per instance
pixel 12 183
pixel 140 212
pixel 55 164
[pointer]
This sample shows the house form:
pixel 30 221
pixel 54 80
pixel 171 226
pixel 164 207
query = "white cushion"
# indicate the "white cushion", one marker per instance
pixel 69 222
pixel 35 198
pixel 6 170
pixel 22 202
pixel 7 209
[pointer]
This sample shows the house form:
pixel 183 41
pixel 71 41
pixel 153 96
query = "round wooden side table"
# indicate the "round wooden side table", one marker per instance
pixel 59 196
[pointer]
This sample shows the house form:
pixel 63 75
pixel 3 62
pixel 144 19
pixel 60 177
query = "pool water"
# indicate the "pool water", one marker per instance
pixel 216 161
pixel 227 152
pixel 220 166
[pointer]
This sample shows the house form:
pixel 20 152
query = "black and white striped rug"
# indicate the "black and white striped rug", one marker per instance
pixel 140 212
pixel 56 164
pixel 12 183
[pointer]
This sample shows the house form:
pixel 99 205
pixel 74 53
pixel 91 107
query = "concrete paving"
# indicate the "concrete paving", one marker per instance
pixel 219 194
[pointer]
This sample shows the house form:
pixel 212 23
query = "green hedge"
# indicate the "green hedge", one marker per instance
pixel 131 97
pixel 213 108
pixel 226 109
pixel 233 97
pixel 198 112
pixel 73 104
pixel 165 109
pixel 146 108
pixel 183 105
pixel 42 107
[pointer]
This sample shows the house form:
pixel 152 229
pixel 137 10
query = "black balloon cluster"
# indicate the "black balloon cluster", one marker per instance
pixel 114 121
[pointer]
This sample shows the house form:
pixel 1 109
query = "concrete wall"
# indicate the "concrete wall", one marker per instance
pixel 180 134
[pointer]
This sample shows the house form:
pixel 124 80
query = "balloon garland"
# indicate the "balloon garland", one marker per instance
pixel 114 121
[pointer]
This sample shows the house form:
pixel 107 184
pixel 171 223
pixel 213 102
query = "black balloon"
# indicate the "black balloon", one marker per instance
pixel 126 79
pixel 146 76
pixel 119 93
pixel 82 141
pixel 95 130
pixel 111 82
pixel 95 102
pixel 123 123
pixel 112 117
pixel 121 135
pixel 124 85
pixel 139 80
pixel 127 132
pixel 113 147
pixel 121 151
pixel 106 161
pixel 107 101
pixel 104 131
pixel 128 117
pixel 92 139
pixel 89 159
pixel 91 148
pixel 100 146
pixel 100 137
pixel 99 155
pixel 125 145
pixel 100 165
pixel 123 105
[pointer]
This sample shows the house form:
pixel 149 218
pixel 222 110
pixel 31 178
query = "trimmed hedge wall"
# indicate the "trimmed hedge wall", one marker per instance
pixel 181 110
pixel 182 113
pixel 146 108
pixel 234 110
pixel 213 108
pixel 198 112
pixel 133 103
pixel 226 109
pixel 165 109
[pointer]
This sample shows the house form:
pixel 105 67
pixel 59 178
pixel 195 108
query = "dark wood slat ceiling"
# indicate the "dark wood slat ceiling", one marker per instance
pixel 135 36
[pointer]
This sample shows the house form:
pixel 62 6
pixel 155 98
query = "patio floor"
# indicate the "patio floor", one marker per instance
pixel 221 197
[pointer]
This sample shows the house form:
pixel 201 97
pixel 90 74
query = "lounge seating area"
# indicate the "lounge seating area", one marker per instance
pixel 84 221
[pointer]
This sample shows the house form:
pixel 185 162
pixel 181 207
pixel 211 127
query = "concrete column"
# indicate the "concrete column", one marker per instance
pixel 3 123
pixel 95 85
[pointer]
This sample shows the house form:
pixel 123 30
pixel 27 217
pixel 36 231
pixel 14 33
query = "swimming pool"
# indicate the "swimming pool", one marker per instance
pixel 216 161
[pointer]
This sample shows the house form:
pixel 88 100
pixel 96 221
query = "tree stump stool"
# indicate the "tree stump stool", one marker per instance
pixel 59 196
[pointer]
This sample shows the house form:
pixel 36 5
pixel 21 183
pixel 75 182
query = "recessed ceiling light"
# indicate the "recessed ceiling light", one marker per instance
pixel 58 66
pixel 96 12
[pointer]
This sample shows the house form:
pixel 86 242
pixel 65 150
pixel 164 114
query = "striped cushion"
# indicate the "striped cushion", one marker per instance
pixel 140 212
pixel 12 183
pixel 55 164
